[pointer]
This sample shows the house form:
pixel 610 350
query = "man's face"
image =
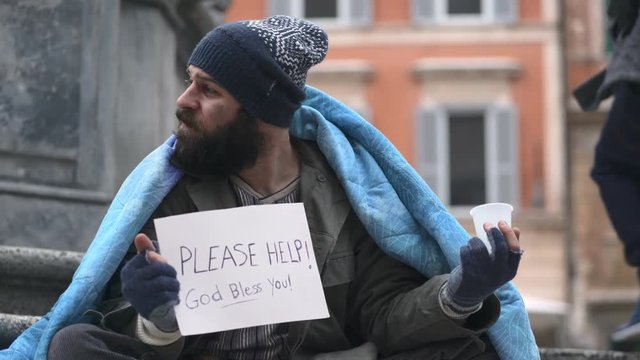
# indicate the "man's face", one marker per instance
pixel 215 135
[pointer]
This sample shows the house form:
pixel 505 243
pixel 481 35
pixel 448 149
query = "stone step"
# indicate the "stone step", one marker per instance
pixel 13 325
pixel 33 279
pixel 578 354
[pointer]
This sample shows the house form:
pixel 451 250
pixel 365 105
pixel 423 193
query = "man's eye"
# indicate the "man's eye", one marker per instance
pixel 209 90
pixel 188 81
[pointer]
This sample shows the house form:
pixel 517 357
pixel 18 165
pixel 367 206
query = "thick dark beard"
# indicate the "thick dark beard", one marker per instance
pixel 223 152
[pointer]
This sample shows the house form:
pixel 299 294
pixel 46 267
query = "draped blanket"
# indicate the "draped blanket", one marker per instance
pixel 398 209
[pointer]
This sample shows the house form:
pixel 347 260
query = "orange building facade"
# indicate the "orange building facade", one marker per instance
pixel 410 66
pixel 471 93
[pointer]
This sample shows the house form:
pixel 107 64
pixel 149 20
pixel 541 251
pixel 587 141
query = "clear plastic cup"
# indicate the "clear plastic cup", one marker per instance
pixel 490 213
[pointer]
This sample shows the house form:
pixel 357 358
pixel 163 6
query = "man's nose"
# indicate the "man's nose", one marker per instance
pixel 187 99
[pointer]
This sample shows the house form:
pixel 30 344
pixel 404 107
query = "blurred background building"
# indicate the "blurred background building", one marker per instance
pixel 474 93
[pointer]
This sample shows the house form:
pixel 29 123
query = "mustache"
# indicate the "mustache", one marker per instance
pixel 186 116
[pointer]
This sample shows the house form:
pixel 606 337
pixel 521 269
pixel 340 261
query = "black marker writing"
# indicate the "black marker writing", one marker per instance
pixel 218 257
pixel 284 252
pixel 280 284
pixel 193 300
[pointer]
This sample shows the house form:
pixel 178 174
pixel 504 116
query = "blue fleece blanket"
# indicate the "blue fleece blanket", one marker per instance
pixel 399 210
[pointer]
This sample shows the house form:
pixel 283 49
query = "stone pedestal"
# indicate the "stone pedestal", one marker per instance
pixel 89 88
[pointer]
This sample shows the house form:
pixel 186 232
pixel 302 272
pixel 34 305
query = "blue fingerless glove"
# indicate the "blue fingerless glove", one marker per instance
pixel 152 289
pixel 480 273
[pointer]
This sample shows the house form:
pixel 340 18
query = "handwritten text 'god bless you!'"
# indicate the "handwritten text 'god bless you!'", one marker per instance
pixel 216 258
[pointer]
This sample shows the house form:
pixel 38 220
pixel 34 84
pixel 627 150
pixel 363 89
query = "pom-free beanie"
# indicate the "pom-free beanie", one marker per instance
pixel 263 63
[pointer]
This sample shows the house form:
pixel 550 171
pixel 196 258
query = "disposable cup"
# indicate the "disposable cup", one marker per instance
pixel 490 213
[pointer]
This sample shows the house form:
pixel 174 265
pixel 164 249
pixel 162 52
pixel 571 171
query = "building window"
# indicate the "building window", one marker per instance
pixel 340 12
pixel 326 9
pixel 464 12
pixel 468 154
pixel 466 158
pixel 464 7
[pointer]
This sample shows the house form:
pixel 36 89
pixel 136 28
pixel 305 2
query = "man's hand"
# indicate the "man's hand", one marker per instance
pixel 151 286
pixel 481 273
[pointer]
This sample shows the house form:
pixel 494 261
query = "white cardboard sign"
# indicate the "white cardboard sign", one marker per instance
pixel 242 267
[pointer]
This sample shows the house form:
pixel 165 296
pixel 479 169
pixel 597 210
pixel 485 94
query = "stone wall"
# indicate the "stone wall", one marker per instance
pixel 56 102
pixel 89 88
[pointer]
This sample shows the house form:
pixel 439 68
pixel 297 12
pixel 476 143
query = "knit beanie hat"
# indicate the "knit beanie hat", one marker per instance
pixel 263 63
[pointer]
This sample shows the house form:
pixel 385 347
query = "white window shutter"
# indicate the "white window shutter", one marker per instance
pixel 432 144
pixel 280 7
pixel 360 12
pixel 505 11
pixel 423 12
pixel 503 154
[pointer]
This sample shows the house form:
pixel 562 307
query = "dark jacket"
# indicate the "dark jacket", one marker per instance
pixel 370 296
pixel 616 168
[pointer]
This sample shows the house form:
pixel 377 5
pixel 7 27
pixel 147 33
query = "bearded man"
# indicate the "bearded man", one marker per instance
pixel 246 81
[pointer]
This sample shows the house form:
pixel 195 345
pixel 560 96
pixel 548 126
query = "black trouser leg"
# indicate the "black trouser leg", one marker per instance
pixel 85 341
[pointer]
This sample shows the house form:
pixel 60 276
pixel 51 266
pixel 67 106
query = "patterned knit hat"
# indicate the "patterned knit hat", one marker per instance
pixel 263 63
